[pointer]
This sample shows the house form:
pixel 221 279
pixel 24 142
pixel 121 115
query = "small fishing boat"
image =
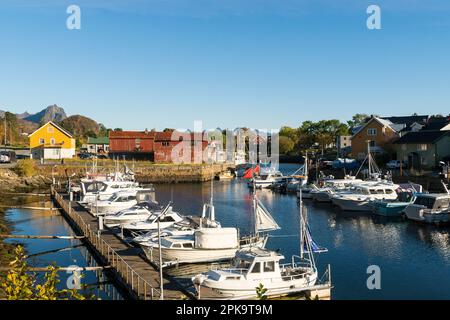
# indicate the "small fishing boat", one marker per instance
pixel 406 196
pixel 227 175
pixel 253 267
pixel 332 186
pixel 186 227
pixel 210 244
pixel 430 208
pixel 139 212
pixel 266 180
pixel 121 200
pixel 359 197
pixel 166 216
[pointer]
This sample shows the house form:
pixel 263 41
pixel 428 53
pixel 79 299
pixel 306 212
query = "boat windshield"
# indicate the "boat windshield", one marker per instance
pixel 242 264
pixel 425 201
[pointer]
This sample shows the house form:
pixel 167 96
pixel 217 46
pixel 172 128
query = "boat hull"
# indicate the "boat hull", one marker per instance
pixel 195 255
pixel 246 288
pixel 420 214
pixel 352 205
pixel 387 209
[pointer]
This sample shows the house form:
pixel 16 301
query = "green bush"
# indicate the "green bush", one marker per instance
pixel 26 168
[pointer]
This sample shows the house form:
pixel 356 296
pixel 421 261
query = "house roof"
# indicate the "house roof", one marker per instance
pixel 67 133
pixel 98 140
pixel 420 137
pixel 132 134
pixel 437 123
pixel 407 120
pixel 382 121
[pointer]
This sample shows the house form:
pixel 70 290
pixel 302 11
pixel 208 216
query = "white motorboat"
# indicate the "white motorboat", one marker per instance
pixel 265 180
pixel 210 244
pixel 139 212
pixel 430 208
pixel 167 218
pixel 122 200
pixel 104 189
pixel 330 187
pixel 186 227
pixel 255 266
pixel 358 198
pixel 227 175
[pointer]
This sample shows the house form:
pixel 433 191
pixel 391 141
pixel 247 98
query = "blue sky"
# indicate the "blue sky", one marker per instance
pixel 258 63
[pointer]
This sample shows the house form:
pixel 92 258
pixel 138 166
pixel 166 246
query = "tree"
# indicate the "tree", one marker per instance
pixel 357 120
pixel 261 292
pixel 20 283
pixel 286 144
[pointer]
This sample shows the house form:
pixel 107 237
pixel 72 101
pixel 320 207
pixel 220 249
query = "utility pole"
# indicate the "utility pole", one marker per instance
pixel 5 132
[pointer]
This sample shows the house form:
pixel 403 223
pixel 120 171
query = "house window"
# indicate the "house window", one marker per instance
pixel 372 131
pixel 165 144
pixel 41 141
pixel 50 129
pixel 137 142
pixel 422 147
pixel 372 144
pixel 56 152
pixel 52 141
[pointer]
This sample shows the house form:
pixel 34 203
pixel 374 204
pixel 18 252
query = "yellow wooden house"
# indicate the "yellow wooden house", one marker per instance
pixel 51 142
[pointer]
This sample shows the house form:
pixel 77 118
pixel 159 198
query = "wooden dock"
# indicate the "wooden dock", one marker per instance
pixel 132 271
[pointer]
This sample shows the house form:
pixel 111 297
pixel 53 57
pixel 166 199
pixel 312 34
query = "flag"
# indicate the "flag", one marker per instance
pixel 248 174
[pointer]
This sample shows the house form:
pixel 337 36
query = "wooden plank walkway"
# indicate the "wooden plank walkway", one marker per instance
pixel 134 272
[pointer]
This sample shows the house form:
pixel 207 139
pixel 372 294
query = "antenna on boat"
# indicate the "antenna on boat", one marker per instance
pixel 211 203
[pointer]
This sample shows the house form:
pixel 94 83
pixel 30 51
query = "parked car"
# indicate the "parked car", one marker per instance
pixel 396 164
pixel 4 158
pixel 102 156
pixel 85 155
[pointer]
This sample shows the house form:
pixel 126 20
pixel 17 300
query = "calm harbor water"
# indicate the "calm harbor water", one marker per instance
pixel 414 259
pixel 63 253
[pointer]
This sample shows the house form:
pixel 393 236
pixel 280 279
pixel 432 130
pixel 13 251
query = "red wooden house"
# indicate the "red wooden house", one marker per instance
pixel 157 146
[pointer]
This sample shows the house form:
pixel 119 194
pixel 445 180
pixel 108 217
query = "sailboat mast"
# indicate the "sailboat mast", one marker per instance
pixel 301 224
pixel 369 158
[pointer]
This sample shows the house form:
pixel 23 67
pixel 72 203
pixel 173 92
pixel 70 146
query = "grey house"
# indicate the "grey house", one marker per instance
pixel 423 149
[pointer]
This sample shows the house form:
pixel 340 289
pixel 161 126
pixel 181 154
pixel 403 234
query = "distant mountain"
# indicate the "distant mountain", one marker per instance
pixel 80 126
pixel 23 115
pixel 51 113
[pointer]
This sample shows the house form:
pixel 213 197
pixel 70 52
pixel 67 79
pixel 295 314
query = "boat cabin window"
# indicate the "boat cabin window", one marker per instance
pixel 425 201
pixel 176 245
pixel 232 278
pixel 188 245
pixel 256 268
pixel 389 191
pixel 269 266
pixel 167 219
pixel 373 191
pixel 243 264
